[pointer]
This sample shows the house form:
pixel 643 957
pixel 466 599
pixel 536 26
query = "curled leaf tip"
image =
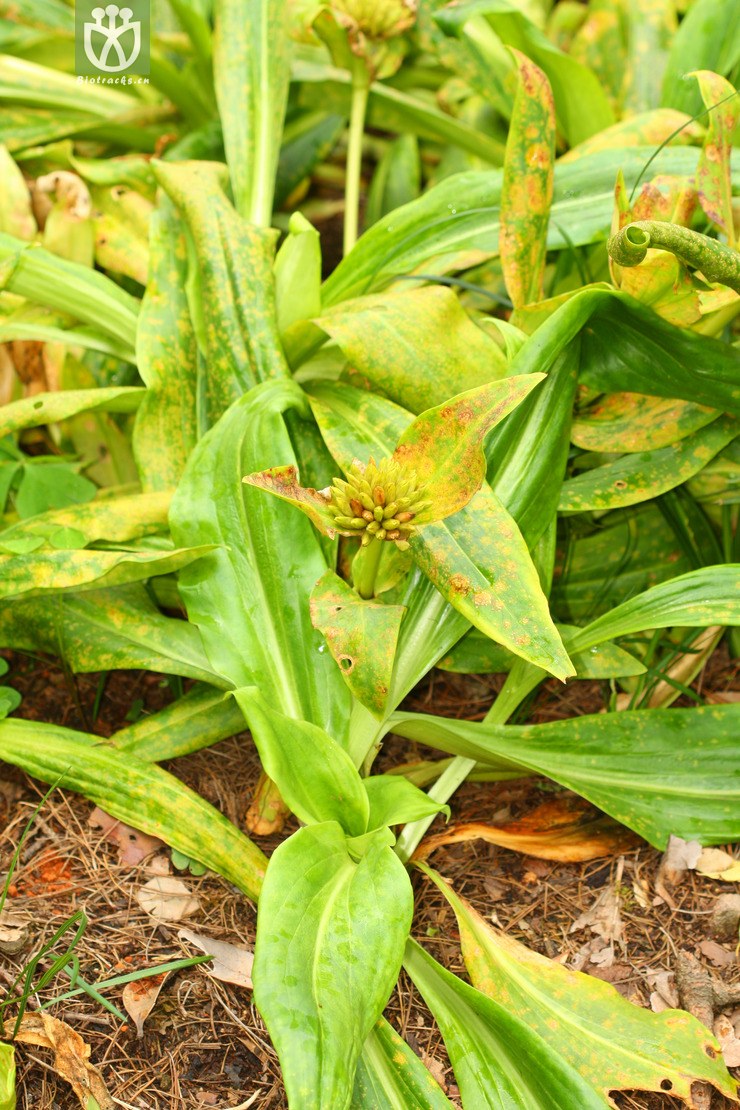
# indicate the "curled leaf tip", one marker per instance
pixel 714 260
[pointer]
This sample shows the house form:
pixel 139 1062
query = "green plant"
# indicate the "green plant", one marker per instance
pixel 545 490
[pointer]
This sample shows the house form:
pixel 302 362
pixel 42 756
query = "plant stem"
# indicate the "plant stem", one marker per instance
pixel 521 680
pixel 717 262
pixel 360 90
pixel 368 571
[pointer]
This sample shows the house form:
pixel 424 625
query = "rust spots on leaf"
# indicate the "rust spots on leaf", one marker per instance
pixel 528 184
pixel 361 636
pixel 444 445
pixel 713 176
pixel 283 482
pixel 459 584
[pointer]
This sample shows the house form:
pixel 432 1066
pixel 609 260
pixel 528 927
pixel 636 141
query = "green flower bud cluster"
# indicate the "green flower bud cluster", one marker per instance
pixel 377 502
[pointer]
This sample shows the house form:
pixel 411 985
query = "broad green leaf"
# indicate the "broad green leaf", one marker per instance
pixel 626 422
pixel 394 801
pixel 47 485
pixel 528 453
pixel 330 938
pixel 527 184
pixel 315 776
pixel 139 793
pixel 16 213
pixel 361 636
pixel 397 178
pixel 7 1077
pixel 477 654
pixel 250 598
pixel 649 29
pixel 611 1043
pixel 655 126
pixel 599 44
pixel 104 630
pixel 719 482
pixel 112 519
pixel 480 563
pixel 166 428
pixel 69 287
pixel 645 474
pixel 356 423
pixel 708 37
pixel 251 72
pixel 382 337
pixel 231 289
pixel 456 224
pixel 694 600
pixel 658 771
pixel 713 176
pixel 390 1074
pixel 52 572
pixel 628 347
pixel 500 1063
pixel 50 408
pixel 443 446
pixel 580 102
pixel 631 550
pixel 199 719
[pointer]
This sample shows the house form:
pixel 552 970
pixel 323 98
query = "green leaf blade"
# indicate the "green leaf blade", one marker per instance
pixel 330 940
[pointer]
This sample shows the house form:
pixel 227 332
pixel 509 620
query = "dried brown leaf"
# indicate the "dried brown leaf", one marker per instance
pixel 716 954
pixel 167 898
pixel 133 845
pixel 724 1031
pixel 71 1056
pixel 139 998
pixel 231 963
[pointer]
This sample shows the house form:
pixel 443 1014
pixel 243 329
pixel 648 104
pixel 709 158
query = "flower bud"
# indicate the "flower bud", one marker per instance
pixel 377 501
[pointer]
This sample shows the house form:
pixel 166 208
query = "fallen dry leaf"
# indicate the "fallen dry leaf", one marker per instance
pixel 230 963
pixel 680 856
pixel 716 864
pixel 714 952
pixel 657 1003
pixel 139 998
pixel 71 1056
pixel 592 951
pixel 664 995
pixel 133 845
pixel 167 898
pixel 724 1031
pixel 14 931
pixel 435 1068
pixel 603 917
pixel 723 697
pixel 566 829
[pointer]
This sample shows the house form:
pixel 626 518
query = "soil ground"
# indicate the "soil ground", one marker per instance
pixel 204 1044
